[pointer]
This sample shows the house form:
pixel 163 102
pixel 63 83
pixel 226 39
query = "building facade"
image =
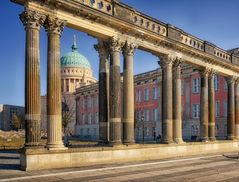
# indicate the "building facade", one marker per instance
pixel 75 72
pixel 6 115
pixel 148 109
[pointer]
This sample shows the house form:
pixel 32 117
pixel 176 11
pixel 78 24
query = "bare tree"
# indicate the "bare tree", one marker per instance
pixel 17 121
pixel 67 111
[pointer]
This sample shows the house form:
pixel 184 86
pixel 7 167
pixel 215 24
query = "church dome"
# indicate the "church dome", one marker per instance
pixel 74 58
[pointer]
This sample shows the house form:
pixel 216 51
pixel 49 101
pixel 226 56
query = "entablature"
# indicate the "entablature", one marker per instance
pixel 105 18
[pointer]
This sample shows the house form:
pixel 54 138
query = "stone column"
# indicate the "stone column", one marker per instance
pixel 128 93
pixel 166 63
pixel 54 28
pixel 237 109
pixel 231 108
pixel 115 91
pixel 64 85
pixel 32 22
pixel 177 102
pixel 68 84
pixel 211 92
pixel 204 105
pixel 102 48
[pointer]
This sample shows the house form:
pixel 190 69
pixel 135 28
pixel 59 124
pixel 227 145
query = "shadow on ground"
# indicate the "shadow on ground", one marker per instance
pixel 234 156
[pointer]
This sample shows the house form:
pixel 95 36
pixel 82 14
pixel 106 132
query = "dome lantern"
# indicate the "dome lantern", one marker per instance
pixel 74 47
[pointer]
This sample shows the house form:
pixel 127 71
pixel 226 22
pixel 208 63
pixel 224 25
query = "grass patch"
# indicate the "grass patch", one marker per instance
pixel 11 143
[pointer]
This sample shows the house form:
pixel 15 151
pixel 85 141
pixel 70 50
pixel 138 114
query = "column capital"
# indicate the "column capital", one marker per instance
pixel 204 72
pixel 129 48
pixel 236 80
pixel 32 19
pixel 212 73
pixel 54 25
pixel 231 79
pixel 177 62
pixel 115 44
pixel 168 60
pixel 102 48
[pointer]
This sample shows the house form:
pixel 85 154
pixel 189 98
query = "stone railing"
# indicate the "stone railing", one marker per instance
pixel 222 54
pixel 128 14
pixel 191 41
pixel 101 5
pixel 132 16
pixel 235 59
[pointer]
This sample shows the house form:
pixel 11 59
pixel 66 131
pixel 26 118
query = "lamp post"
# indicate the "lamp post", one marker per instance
pixel 142 120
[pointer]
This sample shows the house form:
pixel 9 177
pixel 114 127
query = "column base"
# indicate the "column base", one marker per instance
pixel 236 138
pixel 178 140
pixel 166 141
pixel 230 137
pixel 115 143
pixel 212 139
pixel 56 146
pixel 129 142
pixel 103 143
pixel 204 139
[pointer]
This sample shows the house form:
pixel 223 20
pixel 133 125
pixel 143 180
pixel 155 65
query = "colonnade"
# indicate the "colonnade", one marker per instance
pixel 54 27
pixel 207 106
pixel 117 130
pixel 113 129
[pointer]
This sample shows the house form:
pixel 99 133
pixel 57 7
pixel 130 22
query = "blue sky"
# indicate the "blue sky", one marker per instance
pixel 213 20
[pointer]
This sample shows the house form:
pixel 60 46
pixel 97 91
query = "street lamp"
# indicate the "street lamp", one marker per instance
pixel 142 120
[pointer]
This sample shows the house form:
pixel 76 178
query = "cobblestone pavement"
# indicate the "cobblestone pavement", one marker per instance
pixel 199 168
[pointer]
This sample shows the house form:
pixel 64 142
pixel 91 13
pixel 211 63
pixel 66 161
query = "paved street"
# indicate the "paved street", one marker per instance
pixel 200 168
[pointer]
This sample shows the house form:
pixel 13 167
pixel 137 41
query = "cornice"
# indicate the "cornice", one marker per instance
pixel 127 21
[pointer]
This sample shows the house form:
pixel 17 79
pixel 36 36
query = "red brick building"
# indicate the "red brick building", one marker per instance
pixel 148 104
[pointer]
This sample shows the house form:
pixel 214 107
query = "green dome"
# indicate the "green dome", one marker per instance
pixel 74 58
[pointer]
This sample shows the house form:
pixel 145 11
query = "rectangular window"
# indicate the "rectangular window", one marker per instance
pixel 225 84
pixel 155 93
pixel 195 110
pixel 138 131
pixel 96 117
pixel 83 103
pixel 147 131
pixel 155 115
pixel 225 108
pixel 217 109
pixel 96 101
pixel 146 94
pixel 146 115
pixel 89 102
pixel 81 131
pixel 216 82
pixel 182 87
pixel 89 119
pixel 138 96
pixel 196 85
pixel 83 119
pixel 86 102
pixel 137 116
